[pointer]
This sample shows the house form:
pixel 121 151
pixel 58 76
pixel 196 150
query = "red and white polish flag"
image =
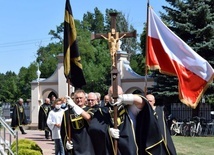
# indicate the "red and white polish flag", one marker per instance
pixel 171 55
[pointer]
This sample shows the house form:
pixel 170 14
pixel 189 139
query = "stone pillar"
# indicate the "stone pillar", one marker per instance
pixel 35 96
pixel 62 84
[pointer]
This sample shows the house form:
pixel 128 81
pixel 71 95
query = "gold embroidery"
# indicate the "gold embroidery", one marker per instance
pixel 21 109
pixel 46 109
pixel 120 117
pixel 77 121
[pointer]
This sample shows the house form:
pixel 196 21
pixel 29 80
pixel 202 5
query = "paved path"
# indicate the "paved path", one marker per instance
pixel 38 136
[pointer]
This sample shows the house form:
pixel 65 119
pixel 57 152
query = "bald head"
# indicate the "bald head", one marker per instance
pixel 151 100
pixel 20 101
pixel 119 90
pixel 47 100
pixel 110 92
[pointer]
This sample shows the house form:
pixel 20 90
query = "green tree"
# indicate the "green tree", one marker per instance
pixel 58 33
pixel 95 56
pixel 94 22
pixel 47 58
pixel 137 62
pixel 8 87
pixel 25 77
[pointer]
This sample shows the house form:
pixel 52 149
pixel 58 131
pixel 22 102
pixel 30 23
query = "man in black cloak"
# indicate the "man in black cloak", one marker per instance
pixel 101 126
pixel 153 138
pixel 44 110
pixel 18 116
pixel 74 127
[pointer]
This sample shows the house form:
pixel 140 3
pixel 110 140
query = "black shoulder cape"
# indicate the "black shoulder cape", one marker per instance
pixel 150 135
pixel 18 116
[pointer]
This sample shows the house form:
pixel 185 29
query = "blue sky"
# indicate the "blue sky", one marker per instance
pixel 25 24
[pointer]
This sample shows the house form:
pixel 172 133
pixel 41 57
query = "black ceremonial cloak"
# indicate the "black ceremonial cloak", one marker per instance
pixel 77 127
pixel 149 133
pixel 18 116
pixel 164 129
pixel 43 115
pixel 99 132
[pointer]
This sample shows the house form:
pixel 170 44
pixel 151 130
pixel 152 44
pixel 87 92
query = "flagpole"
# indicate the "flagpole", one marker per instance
pixel 69 83
pixel 146 68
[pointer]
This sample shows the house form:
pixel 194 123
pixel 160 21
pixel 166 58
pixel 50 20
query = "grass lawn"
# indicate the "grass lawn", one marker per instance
pixel 194 145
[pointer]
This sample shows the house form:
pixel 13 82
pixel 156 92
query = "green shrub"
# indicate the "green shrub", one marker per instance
pixel 27 147
pixel 21 146
pixel 29 152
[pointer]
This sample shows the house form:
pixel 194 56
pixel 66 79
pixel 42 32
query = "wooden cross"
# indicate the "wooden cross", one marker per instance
pixel 113 37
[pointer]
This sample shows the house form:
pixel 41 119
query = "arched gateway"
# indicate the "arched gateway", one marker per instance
pixel 56 84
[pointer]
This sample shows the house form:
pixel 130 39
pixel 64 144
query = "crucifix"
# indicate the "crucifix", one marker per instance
pixel 113 38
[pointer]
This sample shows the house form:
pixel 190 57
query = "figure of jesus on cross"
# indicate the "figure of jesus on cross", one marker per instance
pixel 113 43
